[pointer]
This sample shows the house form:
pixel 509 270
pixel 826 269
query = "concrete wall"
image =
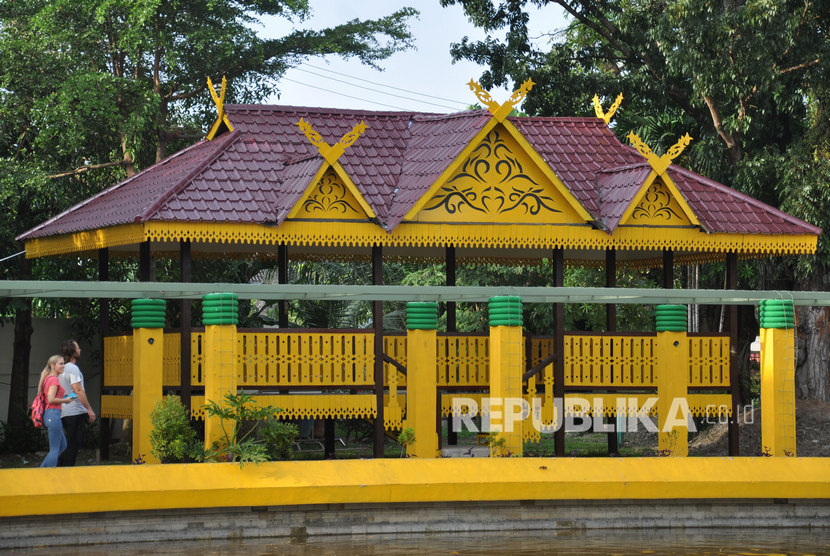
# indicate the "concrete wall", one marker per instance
pixel 302 523
pixel 48 336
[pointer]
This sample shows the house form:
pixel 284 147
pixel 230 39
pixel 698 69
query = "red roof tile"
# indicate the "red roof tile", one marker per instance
pixel 257 173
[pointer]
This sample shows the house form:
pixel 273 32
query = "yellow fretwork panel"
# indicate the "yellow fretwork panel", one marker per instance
pixel 305 359
pixel 118 360
pixel 498 183
pixel 117 407
pixel 610 361
pixel 708 361
pixel 463 360
pixel 330 199
pixel 658 207
pixel 171 374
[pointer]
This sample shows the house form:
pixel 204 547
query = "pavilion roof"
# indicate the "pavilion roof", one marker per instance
pixel 257 173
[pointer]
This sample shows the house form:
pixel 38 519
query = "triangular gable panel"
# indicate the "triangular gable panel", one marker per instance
pixel 498 182
pixel 328 198
pixel 658 204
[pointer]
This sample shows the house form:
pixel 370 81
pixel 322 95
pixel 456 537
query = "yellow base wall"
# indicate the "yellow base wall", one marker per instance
pixel 146 487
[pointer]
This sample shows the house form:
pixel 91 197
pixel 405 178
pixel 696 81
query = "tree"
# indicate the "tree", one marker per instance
pixel 747 78
pixel 93 90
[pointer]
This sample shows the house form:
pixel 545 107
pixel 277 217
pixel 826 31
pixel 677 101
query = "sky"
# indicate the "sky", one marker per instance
pixel 421 79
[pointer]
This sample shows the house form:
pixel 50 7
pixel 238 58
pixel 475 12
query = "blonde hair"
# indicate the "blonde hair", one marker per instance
pixel 47 369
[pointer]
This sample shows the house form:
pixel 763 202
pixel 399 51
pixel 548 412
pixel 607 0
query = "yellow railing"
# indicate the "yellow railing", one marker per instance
pixel 345 359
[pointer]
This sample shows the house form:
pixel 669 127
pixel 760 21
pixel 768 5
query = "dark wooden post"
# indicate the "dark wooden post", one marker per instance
pixel 186 262
pixel 668 269
pixel 144 262
pixel 559 349
pixel 734 383
pixel 377 317
pixel 611 327
pixel 104 323
pixel 452 435
pixel 282 278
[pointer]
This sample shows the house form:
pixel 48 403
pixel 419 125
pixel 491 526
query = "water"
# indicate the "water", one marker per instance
pixel 604 542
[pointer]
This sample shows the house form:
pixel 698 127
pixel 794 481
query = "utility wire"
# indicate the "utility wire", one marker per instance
pixel 375 90
pixel 464 104
pixel 343 94
pixel 12 256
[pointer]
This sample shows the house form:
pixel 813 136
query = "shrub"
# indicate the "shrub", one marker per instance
pixel 278 437
pixel 172 439
pixel 239 442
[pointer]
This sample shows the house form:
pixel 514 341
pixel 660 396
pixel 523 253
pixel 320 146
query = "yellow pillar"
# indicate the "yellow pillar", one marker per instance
pixel 777 378
pixel 148 358
pixel 421 379
pixel 220 316
pixel 672 383
pixel 506 370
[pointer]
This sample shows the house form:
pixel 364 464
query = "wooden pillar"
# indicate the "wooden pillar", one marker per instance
pixel 668 269
pixel 328 438
pixel 377 317
pixel 144 263
pixel 104 327
pixel 611 327
pixel 282 278
pixel 734 383
pixel 186 262
pixel 452 326
pixel 559 350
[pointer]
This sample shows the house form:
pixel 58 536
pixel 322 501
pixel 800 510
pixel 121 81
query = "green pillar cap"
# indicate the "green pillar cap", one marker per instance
pixel 777 313
pixel 220 309
pixel 421 315
pixel 671 318
pixel 505 310
pixel 148 313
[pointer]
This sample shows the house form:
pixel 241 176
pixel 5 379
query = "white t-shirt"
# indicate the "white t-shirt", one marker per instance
pixel 72 375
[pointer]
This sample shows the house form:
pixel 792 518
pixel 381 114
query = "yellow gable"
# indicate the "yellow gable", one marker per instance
pixel 498 182
pixel 330 199
pixel 657 207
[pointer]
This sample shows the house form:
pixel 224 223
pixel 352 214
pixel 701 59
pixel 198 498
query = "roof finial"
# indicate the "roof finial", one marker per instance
pixel 611 111
pixel 331 152
pixel 501 111
pixel 219 100
pixel 659 163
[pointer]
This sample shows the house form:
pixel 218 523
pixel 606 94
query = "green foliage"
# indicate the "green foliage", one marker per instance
pixel 497 444
pixel 240 416
pixel 406 438
pixel 278 437
pixel 172 438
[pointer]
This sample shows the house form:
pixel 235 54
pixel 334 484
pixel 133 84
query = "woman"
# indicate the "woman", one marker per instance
pixel 51 386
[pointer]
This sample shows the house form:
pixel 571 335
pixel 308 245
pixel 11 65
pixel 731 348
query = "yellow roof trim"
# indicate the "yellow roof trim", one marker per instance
pixel 451 169
pixel 331 153
pixel 675 193
pixel 341 172
pixel 219 101
pixel 606 117
pixel 548 171
pixel 309 186
pixel 501 111
pixel 362 233
pixel 659 163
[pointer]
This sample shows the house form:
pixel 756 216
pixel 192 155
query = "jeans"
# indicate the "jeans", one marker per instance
pixel 57 441
pixel 74 427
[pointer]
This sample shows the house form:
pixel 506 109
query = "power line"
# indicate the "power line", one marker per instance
pixel 12 256
pixel 375 90
pixel 465 104
pixel 343 94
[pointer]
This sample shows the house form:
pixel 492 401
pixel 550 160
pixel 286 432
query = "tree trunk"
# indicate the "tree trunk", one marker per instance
pixel 19 389
pixel 813 358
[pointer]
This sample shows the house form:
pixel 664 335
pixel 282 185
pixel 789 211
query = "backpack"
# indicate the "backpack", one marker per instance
pixel 38 407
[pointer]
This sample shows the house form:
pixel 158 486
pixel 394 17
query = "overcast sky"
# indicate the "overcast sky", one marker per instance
pixel 428 69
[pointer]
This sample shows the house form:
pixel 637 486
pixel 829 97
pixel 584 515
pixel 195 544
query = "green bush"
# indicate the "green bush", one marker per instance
pixel 240 416
pixel 172 439
pixel 278 437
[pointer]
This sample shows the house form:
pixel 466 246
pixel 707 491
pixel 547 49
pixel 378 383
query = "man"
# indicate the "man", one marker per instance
pixel 76 414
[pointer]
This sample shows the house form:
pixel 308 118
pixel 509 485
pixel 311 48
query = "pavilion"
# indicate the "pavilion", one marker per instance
pixel 480 185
